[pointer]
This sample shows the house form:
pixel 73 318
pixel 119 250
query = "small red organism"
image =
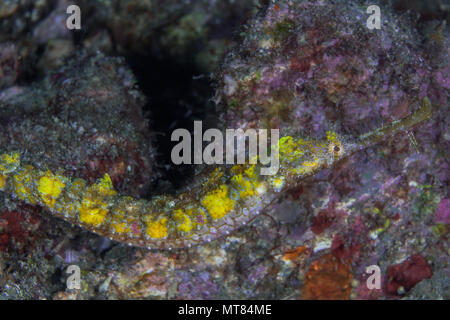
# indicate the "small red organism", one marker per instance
pixel 297 192
pixel 407 274
pixel 16 227
pixel 327 279
pixel 322 221
pixel 344 248
pixel 348 246
pixel 325 218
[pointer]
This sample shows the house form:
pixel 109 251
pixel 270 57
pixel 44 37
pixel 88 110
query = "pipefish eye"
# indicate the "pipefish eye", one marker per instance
pixel 336 148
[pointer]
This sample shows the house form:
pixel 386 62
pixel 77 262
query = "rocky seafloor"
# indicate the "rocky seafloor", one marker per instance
pixel 105 99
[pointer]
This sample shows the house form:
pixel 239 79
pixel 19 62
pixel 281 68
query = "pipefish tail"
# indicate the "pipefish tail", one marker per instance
pixel 218 202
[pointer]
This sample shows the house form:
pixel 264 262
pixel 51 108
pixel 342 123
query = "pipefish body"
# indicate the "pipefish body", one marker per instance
pixel 219 202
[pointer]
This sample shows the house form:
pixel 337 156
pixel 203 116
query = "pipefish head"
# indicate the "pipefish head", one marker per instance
pixel 303 157
pixel 338 147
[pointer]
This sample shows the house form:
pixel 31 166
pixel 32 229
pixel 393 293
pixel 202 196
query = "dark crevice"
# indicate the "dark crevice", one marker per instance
pixel 178 94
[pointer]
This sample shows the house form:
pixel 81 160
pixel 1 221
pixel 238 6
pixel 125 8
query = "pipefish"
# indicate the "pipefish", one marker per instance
pixel 217 203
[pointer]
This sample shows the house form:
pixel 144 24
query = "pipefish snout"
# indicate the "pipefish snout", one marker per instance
pixel 220 201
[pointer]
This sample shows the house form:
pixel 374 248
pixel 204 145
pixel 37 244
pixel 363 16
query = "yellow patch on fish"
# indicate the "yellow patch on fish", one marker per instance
pixel 94 205
pixel 22 184
pixel 218 203
pixel 119 222
pixel 92 211
pixel 105 186
pixel 183 219
pixel 157 229
pixel 50 187
pixel 243 186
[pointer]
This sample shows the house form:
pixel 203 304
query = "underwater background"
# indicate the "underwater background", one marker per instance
pixel 105 99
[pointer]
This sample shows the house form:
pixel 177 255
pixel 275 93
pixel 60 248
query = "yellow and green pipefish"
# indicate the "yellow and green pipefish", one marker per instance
pixel 222 200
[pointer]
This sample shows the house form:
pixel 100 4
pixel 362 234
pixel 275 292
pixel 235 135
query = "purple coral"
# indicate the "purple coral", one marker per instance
pixel 442 214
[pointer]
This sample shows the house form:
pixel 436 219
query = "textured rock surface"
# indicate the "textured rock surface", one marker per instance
pixel 61 123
